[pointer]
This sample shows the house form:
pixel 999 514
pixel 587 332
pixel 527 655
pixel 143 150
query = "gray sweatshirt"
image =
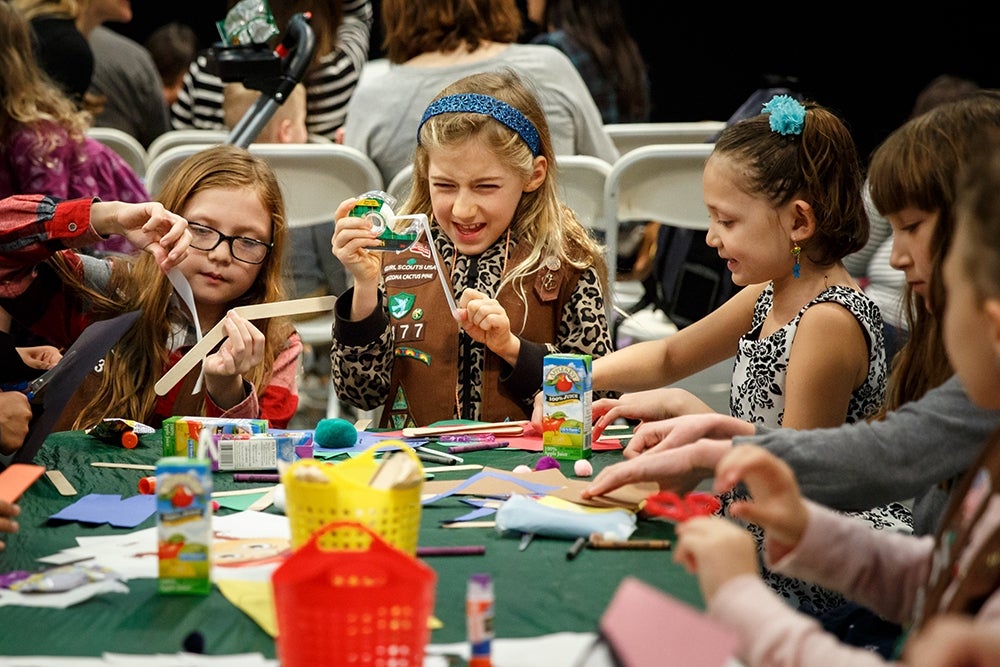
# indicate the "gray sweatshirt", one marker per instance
pixel 916 452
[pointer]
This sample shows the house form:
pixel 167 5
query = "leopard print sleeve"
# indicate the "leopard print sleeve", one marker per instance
pixel 361 355
pixel 584 326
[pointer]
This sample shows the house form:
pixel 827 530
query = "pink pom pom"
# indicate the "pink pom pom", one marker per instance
pixel 522 468
pixel 546 462
pixel 583 468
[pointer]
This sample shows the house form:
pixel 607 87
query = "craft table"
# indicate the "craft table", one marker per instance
pixel 538 591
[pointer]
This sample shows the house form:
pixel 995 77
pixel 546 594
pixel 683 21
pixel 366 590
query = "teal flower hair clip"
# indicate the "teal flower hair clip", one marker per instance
pixel 788 115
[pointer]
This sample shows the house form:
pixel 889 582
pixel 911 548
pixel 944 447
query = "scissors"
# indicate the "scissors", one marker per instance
pixel 35 386
pixel 671 506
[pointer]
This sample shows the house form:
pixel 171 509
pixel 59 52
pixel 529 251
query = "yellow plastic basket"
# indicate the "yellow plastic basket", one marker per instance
pixel 318 493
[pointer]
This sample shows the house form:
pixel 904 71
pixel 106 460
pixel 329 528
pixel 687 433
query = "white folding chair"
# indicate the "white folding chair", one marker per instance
pixel 124 144
pixel 661 183
pixel 629 136
pixel 581 180
pixel 399 186
pixel 185 137
pixel 159 168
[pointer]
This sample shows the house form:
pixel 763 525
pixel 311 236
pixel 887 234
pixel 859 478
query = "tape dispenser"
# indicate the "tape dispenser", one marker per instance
pixel 396 233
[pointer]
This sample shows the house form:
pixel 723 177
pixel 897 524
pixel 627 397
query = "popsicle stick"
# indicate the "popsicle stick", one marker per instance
pixel 256 311
pixel 500 428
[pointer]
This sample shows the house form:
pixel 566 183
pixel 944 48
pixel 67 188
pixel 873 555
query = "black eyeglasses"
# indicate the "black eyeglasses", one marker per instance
pixel 241 248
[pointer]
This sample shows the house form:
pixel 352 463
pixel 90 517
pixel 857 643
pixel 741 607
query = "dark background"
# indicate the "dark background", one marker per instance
pixel 866 61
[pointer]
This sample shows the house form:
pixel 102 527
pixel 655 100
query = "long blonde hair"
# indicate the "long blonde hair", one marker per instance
pixel 28 97
pixel 140 358
pixel 541 221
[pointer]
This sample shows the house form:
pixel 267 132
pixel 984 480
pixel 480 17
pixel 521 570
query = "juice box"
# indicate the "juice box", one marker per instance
pixel 568 392
pixel 251 451
pixel 180 434
pixel 184 524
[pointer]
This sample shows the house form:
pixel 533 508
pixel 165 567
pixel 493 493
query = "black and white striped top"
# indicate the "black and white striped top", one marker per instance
pixel 328 88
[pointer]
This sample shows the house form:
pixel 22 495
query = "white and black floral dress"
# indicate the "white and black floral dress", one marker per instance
pixel 758 396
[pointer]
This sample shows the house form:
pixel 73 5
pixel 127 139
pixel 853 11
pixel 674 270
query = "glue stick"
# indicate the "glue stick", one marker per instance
pixel 479 619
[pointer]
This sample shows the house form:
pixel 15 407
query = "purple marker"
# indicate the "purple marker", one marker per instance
pixel 467 550
pixel 476 446
pixel 270 478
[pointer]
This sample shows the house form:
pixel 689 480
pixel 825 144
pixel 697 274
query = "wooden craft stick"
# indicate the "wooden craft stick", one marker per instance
pixel 263 502
pixel 500 428
pixel 454 468
pixel 469 524
pixel 61 483
pixel 126 466
pixel 256 311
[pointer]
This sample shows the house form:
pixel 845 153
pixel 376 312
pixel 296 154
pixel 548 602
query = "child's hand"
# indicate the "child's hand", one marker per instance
pixel 42 357
pixel 646 406
pixel 673 470
pixel 716 550
pixel 8 511
pixel 485 320
pixel 776 504
pixel 15 417
pixel 148 226
pixel 242 351
pixel 352 237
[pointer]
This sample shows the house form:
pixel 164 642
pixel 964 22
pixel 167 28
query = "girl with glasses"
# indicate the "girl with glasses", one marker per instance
pixel 230 255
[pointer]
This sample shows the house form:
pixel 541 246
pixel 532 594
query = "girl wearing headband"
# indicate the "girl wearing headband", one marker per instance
pixel 527 278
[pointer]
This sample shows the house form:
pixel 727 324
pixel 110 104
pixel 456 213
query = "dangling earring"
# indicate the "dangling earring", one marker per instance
pixel 796 251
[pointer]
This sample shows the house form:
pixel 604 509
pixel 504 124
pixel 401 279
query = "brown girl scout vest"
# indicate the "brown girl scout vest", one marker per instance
pixel 425 367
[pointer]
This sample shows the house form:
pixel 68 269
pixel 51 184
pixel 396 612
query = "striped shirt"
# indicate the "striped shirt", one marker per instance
pixel 328 88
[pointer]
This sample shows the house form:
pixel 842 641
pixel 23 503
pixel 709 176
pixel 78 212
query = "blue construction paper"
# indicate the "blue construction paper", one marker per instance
pixel 474 515
pixel 366 440
pixel 133 511
pixel 106 508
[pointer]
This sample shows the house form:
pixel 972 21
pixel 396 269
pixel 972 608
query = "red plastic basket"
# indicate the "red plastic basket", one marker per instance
pixel 356 607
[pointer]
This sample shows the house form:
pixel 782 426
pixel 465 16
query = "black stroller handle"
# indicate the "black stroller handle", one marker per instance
pixel 295 52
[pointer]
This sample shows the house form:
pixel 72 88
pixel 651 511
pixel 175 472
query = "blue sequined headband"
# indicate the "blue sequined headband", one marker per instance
pixel 489 106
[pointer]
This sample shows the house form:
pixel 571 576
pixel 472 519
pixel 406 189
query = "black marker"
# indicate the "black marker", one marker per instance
pixel 437 456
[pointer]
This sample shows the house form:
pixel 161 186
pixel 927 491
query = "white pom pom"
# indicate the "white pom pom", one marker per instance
pixel 279 498
pixel 583 468
pixel 522 468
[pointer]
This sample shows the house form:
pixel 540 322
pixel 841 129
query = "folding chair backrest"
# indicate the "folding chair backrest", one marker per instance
pixel 315 178
pixel 124 144
pixel 660 183
pixel 581 180
pixel 186 137
pixel 399 186
pixel 629 136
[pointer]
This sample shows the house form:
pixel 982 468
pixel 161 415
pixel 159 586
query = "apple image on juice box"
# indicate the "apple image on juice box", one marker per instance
pixel 567 393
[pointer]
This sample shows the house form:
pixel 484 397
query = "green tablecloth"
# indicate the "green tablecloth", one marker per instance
pixel 538 591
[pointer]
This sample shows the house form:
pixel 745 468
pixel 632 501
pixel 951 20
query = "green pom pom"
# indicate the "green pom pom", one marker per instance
pixel 335 434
